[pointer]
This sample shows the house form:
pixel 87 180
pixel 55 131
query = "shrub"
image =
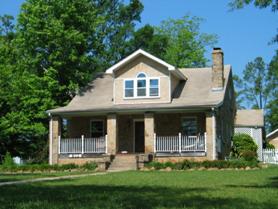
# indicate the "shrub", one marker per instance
pixel 220 164
pixel 89 166
pixel 269 146
pixel 69 166
pixel 8 160
pixel 249 155
pixel 243 143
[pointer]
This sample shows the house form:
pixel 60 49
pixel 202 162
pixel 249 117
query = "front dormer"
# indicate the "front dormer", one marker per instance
pixel 143 78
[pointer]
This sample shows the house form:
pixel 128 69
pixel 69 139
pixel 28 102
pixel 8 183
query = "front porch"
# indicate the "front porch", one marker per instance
pixel 163 145
pixel 161 135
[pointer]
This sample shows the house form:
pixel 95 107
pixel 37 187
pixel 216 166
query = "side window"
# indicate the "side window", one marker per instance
pixel 154 87
pixel 129 88
pixel 97 128
pixel 189 126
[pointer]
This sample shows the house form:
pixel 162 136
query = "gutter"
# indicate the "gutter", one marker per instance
pixel 138 110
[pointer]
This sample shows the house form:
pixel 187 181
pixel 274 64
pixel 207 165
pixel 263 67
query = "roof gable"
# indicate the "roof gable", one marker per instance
pixel 141 52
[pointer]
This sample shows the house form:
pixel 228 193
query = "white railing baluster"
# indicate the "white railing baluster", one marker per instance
pixel 179 142
pixel 106 144
pixel 59 144
pixel 82 144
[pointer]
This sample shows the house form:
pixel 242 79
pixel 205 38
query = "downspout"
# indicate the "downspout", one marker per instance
pixel 213 134
pixel 50 140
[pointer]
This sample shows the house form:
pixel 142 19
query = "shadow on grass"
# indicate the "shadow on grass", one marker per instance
pixel 118 196
pixel 271 184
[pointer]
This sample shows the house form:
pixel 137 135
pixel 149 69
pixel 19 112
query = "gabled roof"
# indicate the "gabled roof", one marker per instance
pixel 271 134
pixel 140 52
pixel 194 93
pixel 249 118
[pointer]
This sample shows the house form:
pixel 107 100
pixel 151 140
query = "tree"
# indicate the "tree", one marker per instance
pixel 74 38
pixel 186 45
pixel 54 50
pixel 146 38
pixel 238 4
pixel 272 106
pixel 258 88
pixel 177 41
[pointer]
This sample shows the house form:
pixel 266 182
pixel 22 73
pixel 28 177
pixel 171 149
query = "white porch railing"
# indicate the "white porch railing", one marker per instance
pixel 270 156
pixel 82 145
pixel 179 144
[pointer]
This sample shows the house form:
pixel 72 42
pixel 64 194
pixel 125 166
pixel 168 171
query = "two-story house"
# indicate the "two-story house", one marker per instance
pixel 145 106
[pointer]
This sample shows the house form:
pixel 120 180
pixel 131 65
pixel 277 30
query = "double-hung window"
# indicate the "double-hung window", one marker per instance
pixel 129 88
pixel 154 87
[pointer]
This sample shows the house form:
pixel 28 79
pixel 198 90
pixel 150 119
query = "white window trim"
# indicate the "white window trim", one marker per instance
pixel 97 120
pixel 147 88
pixel 128 88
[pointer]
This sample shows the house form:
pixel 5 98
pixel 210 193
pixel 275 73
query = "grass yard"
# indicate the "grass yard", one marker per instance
pixel 151 189
pixel 5 177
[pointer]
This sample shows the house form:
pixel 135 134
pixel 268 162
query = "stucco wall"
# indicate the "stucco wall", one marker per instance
pixel 151 69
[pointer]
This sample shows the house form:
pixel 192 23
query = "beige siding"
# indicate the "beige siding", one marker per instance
pixel 151 69
pixel 174 82
pixel 274 142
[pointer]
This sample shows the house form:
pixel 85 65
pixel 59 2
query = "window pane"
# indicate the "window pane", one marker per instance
pixel 153 91
pixel 141 75
pixel 153 82
pixel 141 83
pixel 129 93
pixel 129 84
pixel 189 126
pixel 141 92
pixel 96 128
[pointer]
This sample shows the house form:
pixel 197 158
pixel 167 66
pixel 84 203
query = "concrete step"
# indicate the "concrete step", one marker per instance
pixel 123 163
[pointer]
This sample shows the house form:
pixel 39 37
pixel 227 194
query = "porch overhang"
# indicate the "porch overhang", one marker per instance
pixel 134 110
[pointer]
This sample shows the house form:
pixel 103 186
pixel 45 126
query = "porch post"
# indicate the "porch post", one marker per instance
pixel 112 130
pixel 149 132
pixel 210 135
pixel 54 133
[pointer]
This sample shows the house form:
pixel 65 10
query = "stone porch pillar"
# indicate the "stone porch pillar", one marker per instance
pixel 54 133
pixel 210 130
pixel 149 132
pixel 112 132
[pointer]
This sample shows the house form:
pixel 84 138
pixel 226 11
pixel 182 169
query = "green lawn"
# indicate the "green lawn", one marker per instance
pixel 153 189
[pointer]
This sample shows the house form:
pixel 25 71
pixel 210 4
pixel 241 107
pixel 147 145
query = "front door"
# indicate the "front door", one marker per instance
pixel 139 136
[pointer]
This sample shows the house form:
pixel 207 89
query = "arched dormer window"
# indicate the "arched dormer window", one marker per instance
pixel 141 75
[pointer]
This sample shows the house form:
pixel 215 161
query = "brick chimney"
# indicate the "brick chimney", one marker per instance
pixel 217 69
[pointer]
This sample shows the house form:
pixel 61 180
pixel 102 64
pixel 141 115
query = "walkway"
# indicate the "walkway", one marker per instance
pixel 50 178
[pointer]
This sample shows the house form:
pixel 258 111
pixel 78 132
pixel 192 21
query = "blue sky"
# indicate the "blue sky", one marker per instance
pixel 243 34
